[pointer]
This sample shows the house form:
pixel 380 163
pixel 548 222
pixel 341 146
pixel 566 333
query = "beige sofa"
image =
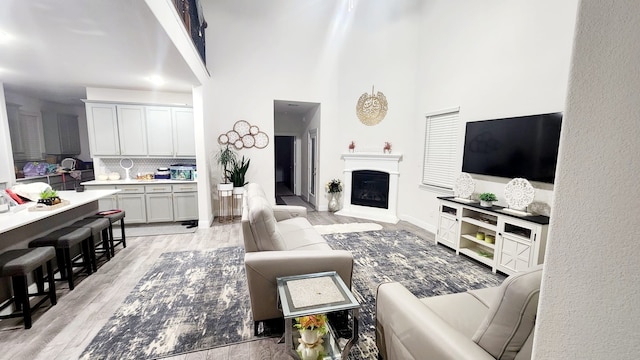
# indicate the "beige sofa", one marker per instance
pixel 280 241
pixel 493 323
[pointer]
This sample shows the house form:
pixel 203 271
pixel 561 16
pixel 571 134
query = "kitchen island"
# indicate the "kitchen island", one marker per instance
pixel 21 225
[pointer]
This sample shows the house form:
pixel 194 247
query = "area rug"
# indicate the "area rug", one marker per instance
pixel 196 300
pixel 189 300
pixel 345 228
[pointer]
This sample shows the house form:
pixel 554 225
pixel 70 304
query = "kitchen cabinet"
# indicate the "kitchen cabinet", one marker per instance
pixel 184 132
pixel 159 131
pixel 141 131
pixel 132 130
pixel 102 123
pixel 148 203
pixel 16 131
pixel 159 201
pixel 61 133
pixel 185 202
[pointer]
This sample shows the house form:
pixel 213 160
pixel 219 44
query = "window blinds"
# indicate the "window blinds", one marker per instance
pixel 441 141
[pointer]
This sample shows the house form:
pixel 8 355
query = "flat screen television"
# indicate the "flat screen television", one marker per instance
pixel 525 146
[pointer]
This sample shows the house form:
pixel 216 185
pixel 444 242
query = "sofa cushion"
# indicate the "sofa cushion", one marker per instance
pixel 511 316
pixel 299 234
pixel 263 225
pixel 463 311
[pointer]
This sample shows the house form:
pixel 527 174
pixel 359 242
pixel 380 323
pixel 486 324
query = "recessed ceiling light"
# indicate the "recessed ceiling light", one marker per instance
pixel 156 80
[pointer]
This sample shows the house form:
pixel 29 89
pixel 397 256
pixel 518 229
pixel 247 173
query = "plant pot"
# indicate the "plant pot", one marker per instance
pixel 334 205
pixel 310 353
pixel 225 187
pixel 309 337
pixel 238 190
pixel 486 203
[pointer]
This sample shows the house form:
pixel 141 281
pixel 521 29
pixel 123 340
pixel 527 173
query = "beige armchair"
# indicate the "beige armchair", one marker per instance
pixel 280 241
pixel 493 323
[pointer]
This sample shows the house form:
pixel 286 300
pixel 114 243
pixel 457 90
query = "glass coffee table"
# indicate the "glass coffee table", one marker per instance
pixel 314 294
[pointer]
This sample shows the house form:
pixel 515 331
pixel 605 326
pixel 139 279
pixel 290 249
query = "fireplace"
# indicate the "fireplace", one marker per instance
pixel 370 188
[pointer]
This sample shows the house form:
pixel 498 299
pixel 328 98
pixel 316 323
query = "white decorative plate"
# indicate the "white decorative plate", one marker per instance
pixel 248 141
pixel 519 194
pixel 223 139
pixel 233 136
pixel 464 186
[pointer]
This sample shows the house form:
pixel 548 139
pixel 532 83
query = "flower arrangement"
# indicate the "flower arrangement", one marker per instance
pixel 334 186
pixel 312 322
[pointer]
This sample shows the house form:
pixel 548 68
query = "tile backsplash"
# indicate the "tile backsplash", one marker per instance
pixel 140 165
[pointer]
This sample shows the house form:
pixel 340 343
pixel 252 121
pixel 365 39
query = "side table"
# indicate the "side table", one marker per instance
pixel 313 294
pixel 225 205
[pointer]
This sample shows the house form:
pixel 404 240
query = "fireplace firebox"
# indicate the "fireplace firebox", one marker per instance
pixel 370 188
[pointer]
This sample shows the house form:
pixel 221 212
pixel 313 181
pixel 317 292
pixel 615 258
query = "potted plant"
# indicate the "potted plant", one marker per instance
pixel 49 197
pixel 311 328
pixel 238 173
pixel 487 199
pixel 225 157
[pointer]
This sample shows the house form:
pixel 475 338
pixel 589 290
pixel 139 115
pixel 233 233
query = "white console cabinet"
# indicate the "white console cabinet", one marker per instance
pixel 500 240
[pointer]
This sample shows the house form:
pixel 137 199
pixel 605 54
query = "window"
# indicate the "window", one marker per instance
pixel 440 149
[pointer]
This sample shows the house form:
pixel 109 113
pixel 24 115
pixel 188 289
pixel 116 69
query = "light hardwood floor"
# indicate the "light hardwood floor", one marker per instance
pixel 65 330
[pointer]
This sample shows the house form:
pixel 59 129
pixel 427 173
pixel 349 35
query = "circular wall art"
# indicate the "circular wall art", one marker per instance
pixel 519 194
pixel 371 109
pixel 464 186
pixel 244 135
pixel 248 141
pixel 262 140
pixel 241 127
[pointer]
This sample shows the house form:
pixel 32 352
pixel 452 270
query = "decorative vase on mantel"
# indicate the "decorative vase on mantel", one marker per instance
pixel 334 204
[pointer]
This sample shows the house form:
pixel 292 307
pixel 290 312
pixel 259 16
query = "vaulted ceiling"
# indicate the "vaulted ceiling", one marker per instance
pixel 53 50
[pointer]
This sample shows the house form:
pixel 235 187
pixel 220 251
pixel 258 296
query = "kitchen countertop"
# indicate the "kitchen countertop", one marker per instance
pixel 23 216
pixel 137 182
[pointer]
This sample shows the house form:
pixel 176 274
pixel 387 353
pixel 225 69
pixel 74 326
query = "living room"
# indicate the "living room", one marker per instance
pixel 492 60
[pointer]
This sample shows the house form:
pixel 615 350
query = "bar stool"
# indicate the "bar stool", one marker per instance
pixel 99 229
pixel 63 240
pixel 18 264
pixel 114 216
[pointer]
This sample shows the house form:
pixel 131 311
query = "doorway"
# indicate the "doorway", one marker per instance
pixel 313 166
pixel 285 165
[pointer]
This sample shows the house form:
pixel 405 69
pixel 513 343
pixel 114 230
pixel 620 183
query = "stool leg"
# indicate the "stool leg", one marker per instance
pixel 17 292
pixel 111 241
pixel 39 277
pixel 69 267
pixel 105 243
pixel 23 289
pixel 62 263
pixel 52 284
pixel 124 240
pixel 90 246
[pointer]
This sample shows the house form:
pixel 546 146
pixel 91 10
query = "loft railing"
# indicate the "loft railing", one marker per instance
pixel 191 13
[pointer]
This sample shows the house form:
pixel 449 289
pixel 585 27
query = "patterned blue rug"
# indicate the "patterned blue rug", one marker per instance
pixel 196 300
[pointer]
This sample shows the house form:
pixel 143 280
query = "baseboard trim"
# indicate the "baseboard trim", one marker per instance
pixel 417 222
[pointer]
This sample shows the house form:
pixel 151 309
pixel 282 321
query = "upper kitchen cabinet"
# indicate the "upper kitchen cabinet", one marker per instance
pixel 141 131
pixel 61 134
pixel 159 131
pixel 132 130
pixel 183 131
pixel 102 122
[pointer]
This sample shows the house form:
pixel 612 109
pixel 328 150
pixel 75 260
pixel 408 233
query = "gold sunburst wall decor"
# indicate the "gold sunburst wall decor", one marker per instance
pixel 371 108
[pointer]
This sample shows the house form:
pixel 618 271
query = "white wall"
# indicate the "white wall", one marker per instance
pixel 331 58
pixel 588 302
pixel 492 59
pixel 139 97
pixel 7 175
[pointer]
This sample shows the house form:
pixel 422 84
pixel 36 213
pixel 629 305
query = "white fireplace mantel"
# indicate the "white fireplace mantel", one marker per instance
pixel 388 163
